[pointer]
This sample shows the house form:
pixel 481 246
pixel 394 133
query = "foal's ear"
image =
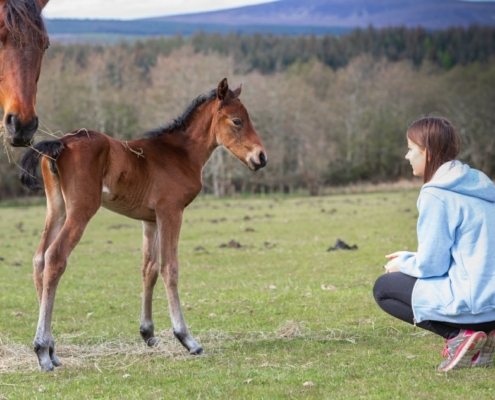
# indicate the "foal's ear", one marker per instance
pixel 223 89
pixel 237 91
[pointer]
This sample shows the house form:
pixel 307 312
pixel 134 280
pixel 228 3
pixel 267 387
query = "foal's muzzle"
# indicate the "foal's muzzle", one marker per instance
pixel 260 163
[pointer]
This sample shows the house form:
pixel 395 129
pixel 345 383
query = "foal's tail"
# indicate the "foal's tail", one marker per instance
pixel 29 162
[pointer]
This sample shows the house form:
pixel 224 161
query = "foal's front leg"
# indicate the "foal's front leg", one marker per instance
pixel 150 275
pixel 169 223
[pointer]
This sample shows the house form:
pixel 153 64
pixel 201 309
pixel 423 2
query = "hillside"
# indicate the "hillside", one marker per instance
pixel 295 17
pixel 436 14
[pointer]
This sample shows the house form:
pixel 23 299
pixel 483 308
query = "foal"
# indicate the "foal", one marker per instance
pixel 151 179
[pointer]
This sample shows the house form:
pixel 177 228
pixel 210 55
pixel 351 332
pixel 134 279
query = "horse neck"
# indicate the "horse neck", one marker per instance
pixel 198 139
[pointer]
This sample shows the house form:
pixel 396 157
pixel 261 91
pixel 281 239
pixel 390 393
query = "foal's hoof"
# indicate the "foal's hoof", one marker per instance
pixel 196 351
pixel 46 366
pixel 56 362
pixel 54 359
pixel 45 361
pixel 152 342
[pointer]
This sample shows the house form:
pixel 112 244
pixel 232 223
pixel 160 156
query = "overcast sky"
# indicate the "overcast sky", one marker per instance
pixel 126 9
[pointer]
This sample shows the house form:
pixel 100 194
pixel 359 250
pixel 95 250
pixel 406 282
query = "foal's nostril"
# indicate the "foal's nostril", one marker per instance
pixel 262 159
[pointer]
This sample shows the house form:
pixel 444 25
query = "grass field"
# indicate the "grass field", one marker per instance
pixel 278 317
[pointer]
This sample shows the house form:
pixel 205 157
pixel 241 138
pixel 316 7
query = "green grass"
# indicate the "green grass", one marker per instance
pixel 272 315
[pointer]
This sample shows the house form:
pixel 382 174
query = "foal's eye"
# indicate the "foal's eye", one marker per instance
pixel 237 122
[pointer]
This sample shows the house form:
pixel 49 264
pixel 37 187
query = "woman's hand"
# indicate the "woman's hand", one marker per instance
pixel 392 266
pixel 393 263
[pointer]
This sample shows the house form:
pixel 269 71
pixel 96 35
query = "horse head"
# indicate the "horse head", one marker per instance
pixel 23 41
pixel 234 129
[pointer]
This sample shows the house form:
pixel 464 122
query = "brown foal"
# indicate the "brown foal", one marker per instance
pixel 150 179
pixel 23 41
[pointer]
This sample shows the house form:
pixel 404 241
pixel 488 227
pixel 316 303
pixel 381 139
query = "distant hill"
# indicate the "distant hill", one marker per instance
pixel 430 14
pixel 296 17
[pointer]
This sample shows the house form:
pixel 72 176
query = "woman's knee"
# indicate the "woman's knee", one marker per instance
pixel 380 286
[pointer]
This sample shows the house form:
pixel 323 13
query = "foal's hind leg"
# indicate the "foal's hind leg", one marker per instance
pixel 63 230
pixel 150 275
pixel 55 218
pixel 170 221
pixel 55 263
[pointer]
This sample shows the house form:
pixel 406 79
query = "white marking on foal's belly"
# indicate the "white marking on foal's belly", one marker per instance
pixel 105 189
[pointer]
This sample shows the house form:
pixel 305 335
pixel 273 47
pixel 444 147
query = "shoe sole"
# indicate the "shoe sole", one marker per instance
pixel 465 353
pixel 485 359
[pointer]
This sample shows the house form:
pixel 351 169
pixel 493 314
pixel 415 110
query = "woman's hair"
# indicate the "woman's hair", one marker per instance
pixel 440 139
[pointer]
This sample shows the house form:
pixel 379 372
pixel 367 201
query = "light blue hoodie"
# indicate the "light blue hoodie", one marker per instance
pixel 455 261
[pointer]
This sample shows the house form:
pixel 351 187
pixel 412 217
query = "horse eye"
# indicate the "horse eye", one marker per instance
pixel 47 46
pixel 237 122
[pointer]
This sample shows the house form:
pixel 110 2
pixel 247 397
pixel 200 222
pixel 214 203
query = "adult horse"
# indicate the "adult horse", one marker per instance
pixel 150 179
pixel 23 40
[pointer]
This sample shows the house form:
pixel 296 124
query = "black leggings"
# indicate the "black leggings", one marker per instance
pixel 393 293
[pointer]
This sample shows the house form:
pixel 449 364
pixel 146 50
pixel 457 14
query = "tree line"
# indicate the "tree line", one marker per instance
pixel 270 53
pixel 323 123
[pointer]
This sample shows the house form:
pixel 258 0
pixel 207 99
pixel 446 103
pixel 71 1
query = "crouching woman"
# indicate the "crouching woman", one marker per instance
pixel 448 285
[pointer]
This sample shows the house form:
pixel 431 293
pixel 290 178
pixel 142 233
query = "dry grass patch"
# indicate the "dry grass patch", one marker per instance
pixel 120 354
pixel 116 354
pixel 292 329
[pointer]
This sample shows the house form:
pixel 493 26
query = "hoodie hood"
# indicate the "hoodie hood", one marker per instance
pixel 460 178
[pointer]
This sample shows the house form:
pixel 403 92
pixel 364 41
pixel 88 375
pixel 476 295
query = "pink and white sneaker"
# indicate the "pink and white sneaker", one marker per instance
pixel 484 358
pixel 461 350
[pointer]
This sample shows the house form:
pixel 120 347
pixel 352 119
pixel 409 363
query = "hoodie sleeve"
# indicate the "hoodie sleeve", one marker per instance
pixel 435 239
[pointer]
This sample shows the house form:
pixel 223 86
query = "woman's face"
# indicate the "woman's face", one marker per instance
pixel 417 158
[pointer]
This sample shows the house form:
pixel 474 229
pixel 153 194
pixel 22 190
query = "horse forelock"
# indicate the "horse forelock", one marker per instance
pixel 184 120
pixel 24 22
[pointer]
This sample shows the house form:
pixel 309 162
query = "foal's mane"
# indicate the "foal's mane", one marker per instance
pixel 24 22
pixel 182 122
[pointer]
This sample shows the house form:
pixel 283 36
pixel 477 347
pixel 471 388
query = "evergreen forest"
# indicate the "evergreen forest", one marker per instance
pixel 331 110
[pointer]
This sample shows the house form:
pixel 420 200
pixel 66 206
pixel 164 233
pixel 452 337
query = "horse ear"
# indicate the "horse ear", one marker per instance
pixel 42 3
pixel 223 89
pixel 237 91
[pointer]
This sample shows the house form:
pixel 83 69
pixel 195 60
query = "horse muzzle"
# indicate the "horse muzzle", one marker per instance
pixel 261 161
pixel 17 133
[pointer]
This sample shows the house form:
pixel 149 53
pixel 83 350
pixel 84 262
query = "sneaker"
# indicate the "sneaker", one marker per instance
pixel 485 357
pixel 461 350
